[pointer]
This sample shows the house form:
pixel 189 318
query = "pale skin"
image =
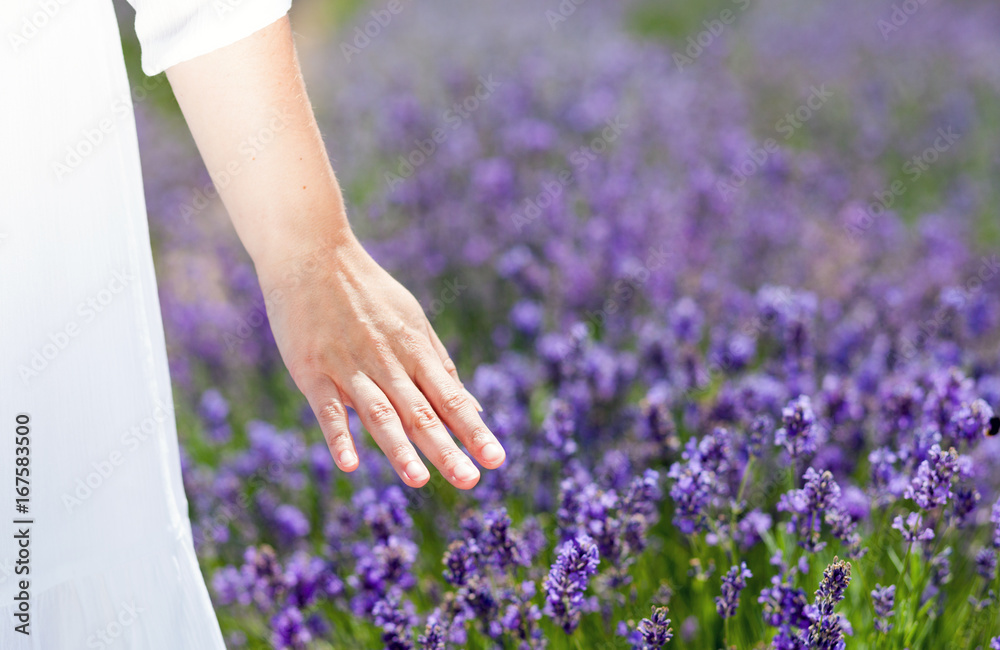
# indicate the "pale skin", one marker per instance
pixel 349 334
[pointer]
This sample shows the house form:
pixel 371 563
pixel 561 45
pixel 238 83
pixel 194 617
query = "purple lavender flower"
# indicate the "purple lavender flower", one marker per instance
pixel 912 529
pixel 568 579
pixel 995 643
pixel 760 429
pixel 395 619
pixel 289 631
pixel 435 634
pixel 818 498
pixel 501 543
pixel 734 582
pixel 827 629
pixel 883 600
pixel 655 630
pixel 784 607
pixel 460 562
pixel 972 420
pixel 797 433
pixel 995 519
pixel 290 523
pixel 692 492
pixel 986 564
pixel 931 486
pixel 308 579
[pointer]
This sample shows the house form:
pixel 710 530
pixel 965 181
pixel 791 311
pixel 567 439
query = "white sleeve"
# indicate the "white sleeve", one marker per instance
pixel 171 31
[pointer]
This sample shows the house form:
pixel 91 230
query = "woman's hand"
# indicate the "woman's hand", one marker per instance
pixel 351 335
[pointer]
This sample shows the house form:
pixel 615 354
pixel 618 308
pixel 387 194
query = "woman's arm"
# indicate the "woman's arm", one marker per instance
pixel 347 331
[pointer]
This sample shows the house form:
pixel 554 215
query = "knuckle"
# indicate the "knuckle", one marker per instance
pixel 453 402
pixel 339 439
pixel 380 413
pixel 449 365
pixel 450 457
pixel 383 351
pixel 332 416
pixel 424 417
pixel 400 451
pixel 480 436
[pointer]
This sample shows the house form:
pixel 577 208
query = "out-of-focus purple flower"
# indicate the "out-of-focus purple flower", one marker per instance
pixel 784 607
pixel 321 462
pixel 995 519
pixel 752 527
pixel 995 643
pixel 308 579
pixel 527 317
pixel 797 433
pixel 913 530
pixel 965 502
pixel 883 600
pixel 559 429
pixel 501 543
pixel 395 619
pixel 972 420
pixel 692 492
pixel 213 407
pixel 568 579
pixel 986 564
pixel 459 562
pixel 289 631
pixel 261 576
pixel 290 523
pixel 435 635
pixel 734 582
pixel 758 434
pixel 931 486
pixel 686 321
pixel 655 630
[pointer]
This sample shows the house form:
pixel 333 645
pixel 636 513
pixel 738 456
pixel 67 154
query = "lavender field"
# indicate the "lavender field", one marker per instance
pixel 724 277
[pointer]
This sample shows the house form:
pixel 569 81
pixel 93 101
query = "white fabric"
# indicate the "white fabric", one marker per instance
pixel 112 564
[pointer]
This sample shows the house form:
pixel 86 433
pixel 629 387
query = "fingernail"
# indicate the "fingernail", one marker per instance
pixel 492 452
pixel 479 407
pixel 346 458
pixel 465 472
pixel 415 470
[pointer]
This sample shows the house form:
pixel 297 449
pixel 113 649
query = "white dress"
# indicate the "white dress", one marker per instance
pixel 109 560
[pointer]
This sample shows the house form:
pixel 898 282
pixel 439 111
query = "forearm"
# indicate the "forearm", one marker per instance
pixel 247 108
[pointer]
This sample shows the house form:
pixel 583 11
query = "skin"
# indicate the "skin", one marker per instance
pixel 349 334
